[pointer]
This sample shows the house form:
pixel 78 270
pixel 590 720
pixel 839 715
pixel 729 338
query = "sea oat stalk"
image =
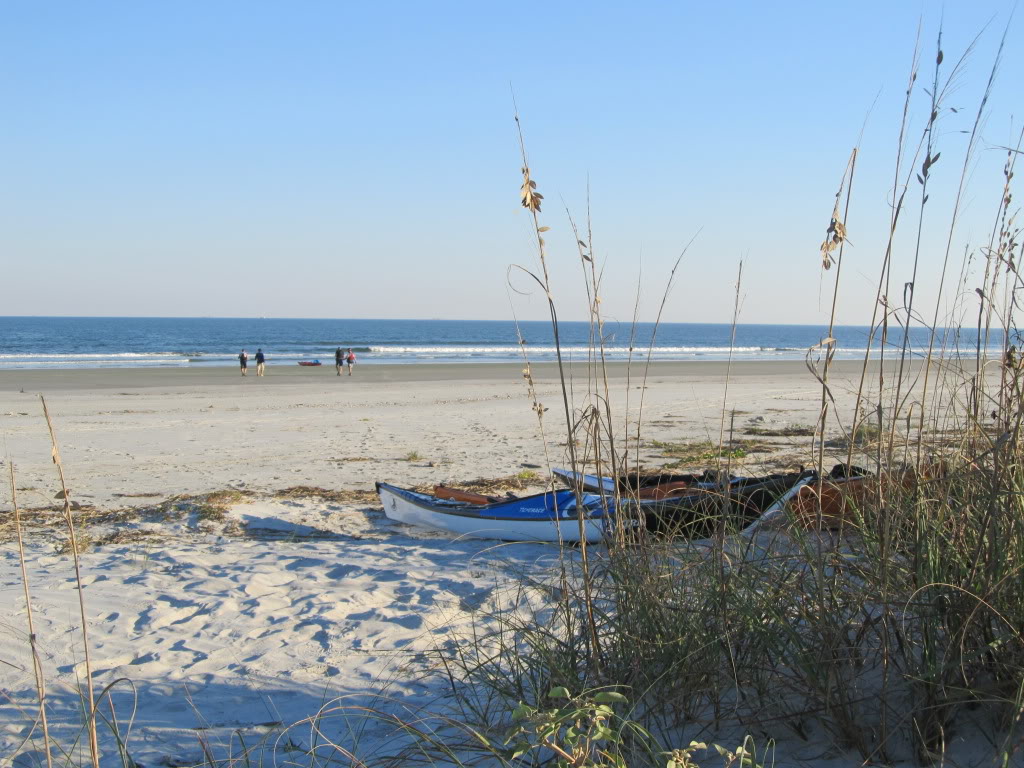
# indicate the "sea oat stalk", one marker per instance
pixel 94 750
pixel 531 200
pixel 37 666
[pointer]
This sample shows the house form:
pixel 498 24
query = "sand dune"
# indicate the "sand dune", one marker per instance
pixel 242 635
pixel 225 627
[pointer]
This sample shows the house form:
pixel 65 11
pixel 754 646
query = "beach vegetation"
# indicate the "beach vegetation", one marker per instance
pixel 860 439
pixel 893 629
pixel 890 631
pixel 576 730
pixel 790 430
pixel 223 499
pixel 81 544
pixel 336 495
pixel 688 453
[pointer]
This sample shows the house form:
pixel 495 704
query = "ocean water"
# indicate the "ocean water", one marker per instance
pixel 101 342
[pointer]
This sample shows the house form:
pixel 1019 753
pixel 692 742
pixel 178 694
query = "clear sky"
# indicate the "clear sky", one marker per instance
pixel 342 159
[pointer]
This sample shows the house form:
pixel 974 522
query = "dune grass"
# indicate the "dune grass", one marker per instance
pixel 887 638
pixel 892 636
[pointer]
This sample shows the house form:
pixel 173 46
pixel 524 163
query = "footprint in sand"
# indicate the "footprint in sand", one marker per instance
pixel 404 594
pixel 167 611
pixel 265 606
pixel 261 584
pixel 343 572
pixel 302 563
pixel 472 602
pixel 72 582
pixel 408 621
pixel 315 631
pixel 99 666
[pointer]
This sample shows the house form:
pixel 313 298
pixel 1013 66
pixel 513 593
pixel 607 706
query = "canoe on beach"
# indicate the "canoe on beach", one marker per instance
pixel 639 485
pixel 690 505
pixel 309 362
pixel 835 500
pixel 552 516
pixel 549 516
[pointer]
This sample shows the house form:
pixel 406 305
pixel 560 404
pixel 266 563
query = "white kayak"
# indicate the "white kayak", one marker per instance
pixel 551 516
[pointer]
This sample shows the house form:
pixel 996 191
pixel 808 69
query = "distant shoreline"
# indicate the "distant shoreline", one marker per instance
pixel 324 377
pixel 98 343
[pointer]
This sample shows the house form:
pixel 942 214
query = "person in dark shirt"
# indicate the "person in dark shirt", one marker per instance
pixel 261 363
pixel 243 361
pixel 339 360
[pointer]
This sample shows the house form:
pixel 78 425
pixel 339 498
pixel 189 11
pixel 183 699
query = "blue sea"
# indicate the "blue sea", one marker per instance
pixel 133 342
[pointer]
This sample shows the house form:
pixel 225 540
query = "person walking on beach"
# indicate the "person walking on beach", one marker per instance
pixel 339 360
pixel 261 366
pixel 350 358
pixel 243 361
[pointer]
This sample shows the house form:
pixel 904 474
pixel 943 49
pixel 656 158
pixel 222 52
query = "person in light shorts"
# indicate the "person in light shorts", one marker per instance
pixel 350 358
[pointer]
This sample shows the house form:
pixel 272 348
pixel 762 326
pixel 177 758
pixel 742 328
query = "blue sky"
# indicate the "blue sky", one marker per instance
pixel 360 160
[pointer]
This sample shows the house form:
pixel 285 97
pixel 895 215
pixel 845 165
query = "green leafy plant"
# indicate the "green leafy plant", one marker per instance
pixel 743 756
pixel 581 731
pixel 585 731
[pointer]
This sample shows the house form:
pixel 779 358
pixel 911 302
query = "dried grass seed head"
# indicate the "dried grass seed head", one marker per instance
pixel 531 198
pixel 834 237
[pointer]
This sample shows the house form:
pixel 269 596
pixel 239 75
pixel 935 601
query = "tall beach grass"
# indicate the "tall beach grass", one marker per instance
pixel 889 632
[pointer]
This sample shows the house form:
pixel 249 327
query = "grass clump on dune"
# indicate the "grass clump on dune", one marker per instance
pixel 701 453
pixel 793 430
pixel 892 638
pixel 888 635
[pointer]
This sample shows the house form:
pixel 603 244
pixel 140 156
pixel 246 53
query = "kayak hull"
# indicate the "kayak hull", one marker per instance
pixel 697 508
pixel 548 516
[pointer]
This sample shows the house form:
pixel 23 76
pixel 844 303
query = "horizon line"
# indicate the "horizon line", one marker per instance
pixel 401 319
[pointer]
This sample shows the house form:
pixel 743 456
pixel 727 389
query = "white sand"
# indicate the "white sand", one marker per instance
pixel 231 630
pixel 244 635
pixel 189 431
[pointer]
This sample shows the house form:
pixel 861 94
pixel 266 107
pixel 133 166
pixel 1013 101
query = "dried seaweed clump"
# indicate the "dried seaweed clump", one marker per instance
pixel 343 496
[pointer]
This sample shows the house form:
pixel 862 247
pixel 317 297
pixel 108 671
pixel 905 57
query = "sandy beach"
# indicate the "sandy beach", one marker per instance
pixel 749 421
pixel 238 616
pixel 171 431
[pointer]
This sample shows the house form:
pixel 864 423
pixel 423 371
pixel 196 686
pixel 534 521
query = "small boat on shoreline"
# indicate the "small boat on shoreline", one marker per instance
pixel 701 511
pixel 550 516
pixel 691 506
pixel 688 506
pixel 655 485
pixel 310 362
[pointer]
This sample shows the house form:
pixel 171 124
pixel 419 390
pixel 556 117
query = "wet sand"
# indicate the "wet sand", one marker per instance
pixel 59 380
